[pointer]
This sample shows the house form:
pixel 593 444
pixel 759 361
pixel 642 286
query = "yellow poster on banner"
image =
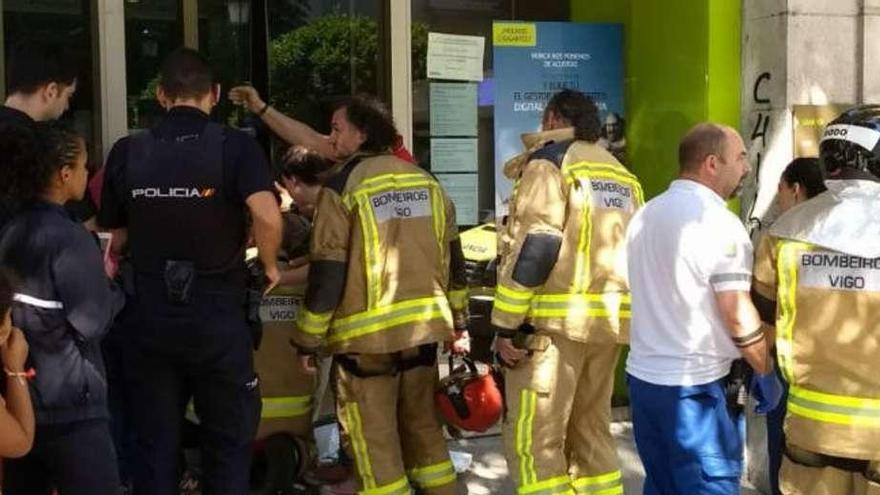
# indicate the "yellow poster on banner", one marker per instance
pixel 809 123
pixel 514 34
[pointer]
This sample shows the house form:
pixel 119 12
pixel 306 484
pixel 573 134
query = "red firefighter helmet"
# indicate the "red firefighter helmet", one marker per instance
pixel 467 399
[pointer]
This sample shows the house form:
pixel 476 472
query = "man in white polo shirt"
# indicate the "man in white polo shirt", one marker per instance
pixel 690 266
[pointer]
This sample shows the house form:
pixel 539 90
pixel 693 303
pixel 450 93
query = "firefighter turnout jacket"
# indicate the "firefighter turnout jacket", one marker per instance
pixel 562 267
pixel 821 264
pixel 387 270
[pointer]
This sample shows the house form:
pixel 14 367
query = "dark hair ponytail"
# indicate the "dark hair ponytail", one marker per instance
pixel 33 155
pixel 808 173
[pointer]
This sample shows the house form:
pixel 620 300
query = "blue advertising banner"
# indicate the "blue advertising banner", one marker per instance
pixel 534 60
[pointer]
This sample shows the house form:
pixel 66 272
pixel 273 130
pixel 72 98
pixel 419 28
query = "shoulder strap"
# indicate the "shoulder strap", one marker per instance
pixel 339 179
pixel 553 152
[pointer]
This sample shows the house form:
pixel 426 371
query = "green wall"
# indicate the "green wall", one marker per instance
pixel 682 67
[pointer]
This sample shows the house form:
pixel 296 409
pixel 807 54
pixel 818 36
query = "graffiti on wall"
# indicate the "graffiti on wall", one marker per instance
pixel 758 135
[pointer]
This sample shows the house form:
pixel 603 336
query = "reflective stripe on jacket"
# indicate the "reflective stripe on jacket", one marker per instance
pixel 824 275
pixel 387 271
pixel 563 266
pixel 827 339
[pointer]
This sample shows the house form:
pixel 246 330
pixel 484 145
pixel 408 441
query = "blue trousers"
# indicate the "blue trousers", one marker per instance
pixel 201 351
pixel 686 438
pixel 72 458
pixel 776 437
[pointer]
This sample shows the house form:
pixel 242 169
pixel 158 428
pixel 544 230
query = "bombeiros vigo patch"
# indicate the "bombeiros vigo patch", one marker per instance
pixel 412 203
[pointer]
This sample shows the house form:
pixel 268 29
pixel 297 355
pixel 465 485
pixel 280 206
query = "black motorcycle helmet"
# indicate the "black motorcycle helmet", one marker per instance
pixel 852 140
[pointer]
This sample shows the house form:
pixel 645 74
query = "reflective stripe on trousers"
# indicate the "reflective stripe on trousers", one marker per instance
pixel 399 487
pixel 286 407
pixel 432 476
pixel 359 447
pixel 603 484
pixel 559 484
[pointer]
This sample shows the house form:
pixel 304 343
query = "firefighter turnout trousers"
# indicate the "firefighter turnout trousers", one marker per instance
pixel 389 427
pixel 556 429
pixel 798 479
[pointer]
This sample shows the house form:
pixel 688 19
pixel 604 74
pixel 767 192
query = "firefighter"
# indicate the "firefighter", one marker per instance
pixel 817 278
pixel 562 303
pixel 386 285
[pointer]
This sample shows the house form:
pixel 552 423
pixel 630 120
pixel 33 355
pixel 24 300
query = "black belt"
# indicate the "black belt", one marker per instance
pixel 427 356
pixel 811 459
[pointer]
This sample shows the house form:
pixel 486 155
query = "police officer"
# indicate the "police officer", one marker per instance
pixel 386 285
pixel 817 279
pixel 178 196
pixel 560 304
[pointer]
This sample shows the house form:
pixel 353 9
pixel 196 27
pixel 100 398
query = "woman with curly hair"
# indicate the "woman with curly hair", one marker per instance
pixel 64 304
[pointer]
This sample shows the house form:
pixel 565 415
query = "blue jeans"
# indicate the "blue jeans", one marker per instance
pixel 776 436
pixel 686 438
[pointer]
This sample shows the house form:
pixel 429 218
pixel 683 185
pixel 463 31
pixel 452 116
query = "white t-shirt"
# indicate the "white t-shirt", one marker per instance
pixel 682 247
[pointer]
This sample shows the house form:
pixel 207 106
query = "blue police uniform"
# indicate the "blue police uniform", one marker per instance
pixel 180 190
pixel 64 305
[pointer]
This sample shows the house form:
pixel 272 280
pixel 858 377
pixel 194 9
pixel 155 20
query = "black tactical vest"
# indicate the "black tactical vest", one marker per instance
pixel 177 206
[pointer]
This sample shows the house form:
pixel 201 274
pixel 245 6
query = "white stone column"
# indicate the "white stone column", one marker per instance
pixel 796 52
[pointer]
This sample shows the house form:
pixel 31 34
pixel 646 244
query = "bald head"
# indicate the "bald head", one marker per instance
pixel 715 156
pixel 701 141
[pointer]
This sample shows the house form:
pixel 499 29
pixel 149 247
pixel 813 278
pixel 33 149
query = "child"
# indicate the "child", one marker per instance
pixel 16 413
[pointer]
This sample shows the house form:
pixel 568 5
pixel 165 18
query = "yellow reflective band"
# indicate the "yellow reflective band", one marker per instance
pixel 584 170
pixel 604 484
pixel 286 407
pixel 524 424
pixel 359 445
pixel 313 323
pixel 391 177
pixel 432 476
pixel 604 305
pixel 386 182
pixel 438 215
pixel 615 490
pixel 385 317
pixel 585 238
pixel 559 484
pixel 513 309
pixel 399 487
pixel 513 301
pixel 370 227
pixel 787 267
pixel 458 298
pixel 838 409
pixel 365 192
pixel 371 248
pixel 599 166
pixel 514 294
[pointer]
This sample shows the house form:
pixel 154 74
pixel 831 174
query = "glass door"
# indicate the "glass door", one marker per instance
pixel 64 23
pixel 219 29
